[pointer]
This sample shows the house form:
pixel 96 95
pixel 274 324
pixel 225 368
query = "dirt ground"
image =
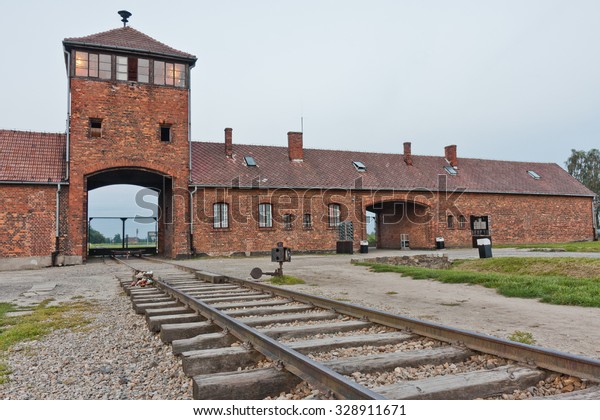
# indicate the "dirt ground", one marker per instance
pixel 470 307
pixel 475 308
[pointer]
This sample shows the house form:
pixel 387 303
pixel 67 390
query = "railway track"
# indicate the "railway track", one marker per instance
pixel 240 339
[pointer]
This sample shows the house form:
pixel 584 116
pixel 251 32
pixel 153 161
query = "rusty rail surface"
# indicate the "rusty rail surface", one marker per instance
pixel 294 362
pixel 553 360
pixel 581 366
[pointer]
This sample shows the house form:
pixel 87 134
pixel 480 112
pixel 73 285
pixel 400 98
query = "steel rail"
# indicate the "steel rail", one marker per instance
pixel 570 364
pixel 293 361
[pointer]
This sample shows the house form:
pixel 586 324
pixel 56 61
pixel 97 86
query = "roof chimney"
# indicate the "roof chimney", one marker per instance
pixel 295 146
pixel 450 154
pixel 407 153
pixel 228 142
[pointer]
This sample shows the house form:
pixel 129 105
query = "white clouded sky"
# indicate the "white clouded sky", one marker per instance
pixel 511 80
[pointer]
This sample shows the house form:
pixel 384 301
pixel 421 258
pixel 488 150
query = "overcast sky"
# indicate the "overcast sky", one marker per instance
pixel 511 80
pixel 515 80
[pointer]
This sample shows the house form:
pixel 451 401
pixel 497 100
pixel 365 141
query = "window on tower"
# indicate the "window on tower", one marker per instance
pixel 93 65
pixel 133 69
pixel 143 70
pixel 129 69
pixel 105 66
pixel 171 74
pixel 165 132
pixel 96 127
pixel 122 67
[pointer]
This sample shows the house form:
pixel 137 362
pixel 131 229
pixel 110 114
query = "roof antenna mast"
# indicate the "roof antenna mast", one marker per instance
pixel 125 15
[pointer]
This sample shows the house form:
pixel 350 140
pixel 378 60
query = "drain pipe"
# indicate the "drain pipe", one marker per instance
pixel 57 237
pixel 68 131
pixel 192 217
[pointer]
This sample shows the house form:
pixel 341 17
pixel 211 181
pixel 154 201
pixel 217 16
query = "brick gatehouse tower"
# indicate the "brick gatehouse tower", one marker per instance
pixel 129 117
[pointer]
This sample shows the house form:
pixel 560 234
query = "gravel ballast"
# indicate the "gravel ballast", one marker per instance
pixel 113 357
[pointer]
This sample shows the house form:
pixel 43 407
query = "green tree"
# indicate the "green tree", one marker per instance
pixel 117 239
pixel 585 167
pixel 96 237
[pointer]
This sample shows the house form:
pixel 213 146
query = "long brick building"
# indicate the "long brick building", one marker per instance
pixel 129 123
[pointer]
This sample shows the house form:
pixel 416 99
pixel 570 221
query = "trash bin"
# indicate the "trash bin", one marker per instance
pixel 485 248
pixel 439 243
pixel 364 247
pixel 344 247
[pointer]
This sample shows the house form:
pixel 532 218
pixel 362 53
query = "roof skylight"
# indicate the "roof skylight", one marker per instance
pixel 360 167
pixel 534 174
pixel 451 170
pixel 249 161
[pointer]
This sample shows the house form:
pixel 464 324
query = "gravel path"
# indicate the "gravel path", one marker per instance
pixel 114 357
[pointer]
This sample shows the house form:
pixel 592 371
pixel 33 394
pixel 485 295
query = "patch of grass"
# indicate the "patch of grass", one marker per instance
pixel 522 337
pixel 285 280
pixel 4 372
pixel 583 268
pixel 552 280
pixel 391 293
pixel 41 321
pixel 7 307
pixel 566 246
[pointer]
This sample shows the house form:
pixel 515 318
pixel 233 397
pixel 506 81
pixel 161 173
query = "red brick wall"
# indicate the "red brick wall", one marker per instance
pixel 244 233
pixel 407 218
pixel 513 218
pixel 518 219
pixel 131 116
pixel 27 220
pixel 27 224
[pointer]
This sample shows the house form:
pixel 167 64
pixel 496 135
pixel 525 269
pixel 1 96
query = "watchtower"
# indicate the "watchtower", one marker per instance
pixel 128 123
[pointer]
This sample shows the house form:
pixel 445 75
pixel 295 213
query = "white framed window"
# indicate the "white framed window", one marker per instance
pixel 334 215
pixel 143 70
pixel 287 221
pixel 265 215
pixel 121 68
pixel 221 215
pixel 170 74
pixel 93 65
pixel 105 66
pixel 307 221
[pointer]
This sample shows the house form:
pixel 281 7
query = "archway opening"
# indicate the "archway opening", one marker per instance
pixel 122 217
pixel 125 212
pixel 401 224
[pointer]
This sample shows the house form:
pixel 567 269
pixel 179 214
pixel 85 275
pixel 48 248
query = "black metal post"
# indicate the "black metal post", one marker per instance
pixel 123 237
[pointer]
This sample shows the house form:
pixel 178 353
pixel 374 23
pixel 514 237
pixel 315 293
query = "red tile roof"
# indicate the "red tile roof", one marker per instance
pixel 130 39
pixel 334 169
pixel 40 157
pixel 32 157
